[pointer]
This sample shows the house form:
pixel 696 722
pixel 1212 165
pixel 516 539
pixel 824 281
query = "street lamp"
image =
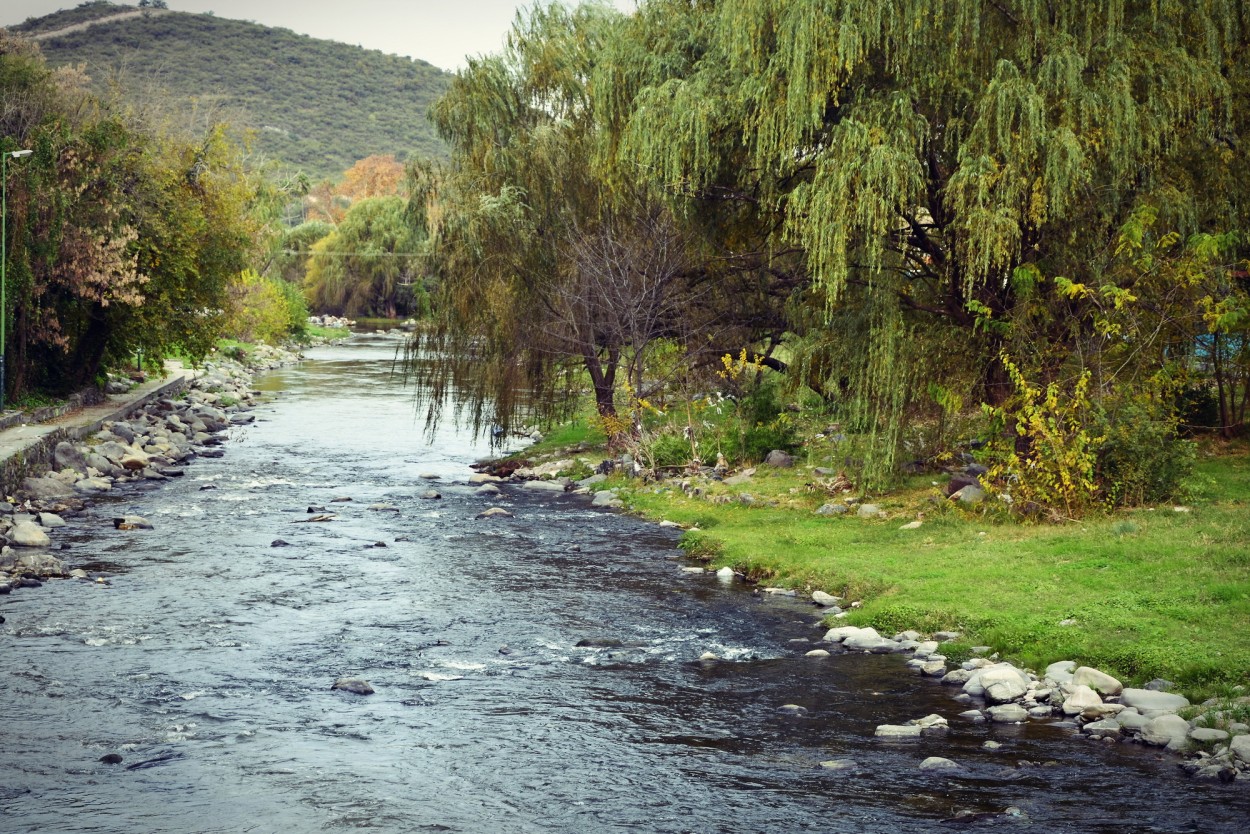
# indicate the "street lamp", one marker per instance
pixel 4 255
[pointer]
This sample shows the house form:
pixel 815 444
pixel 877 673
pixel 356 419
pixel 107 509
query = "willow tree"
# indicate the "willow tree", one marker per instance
pixel 546 272
pixel 931 169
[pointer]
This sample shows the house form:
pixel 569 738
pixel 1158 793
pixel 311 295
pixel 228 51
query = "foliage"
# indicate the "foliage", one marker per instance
pixel 123 232
pixel 316 105
pixel 264 309
pixel 368 265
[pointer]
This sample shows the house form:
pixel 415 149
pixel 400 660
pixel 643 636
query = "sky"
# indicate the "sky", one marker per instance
pixel 441 32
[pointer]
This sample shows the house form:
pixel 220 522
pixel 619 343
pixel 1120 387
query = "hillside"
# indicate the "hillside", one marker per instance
pixel 317 105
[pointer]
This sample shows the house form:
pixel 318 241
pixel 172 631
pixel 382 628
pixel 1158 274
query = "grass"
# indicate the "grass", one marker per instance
pixel 1149 593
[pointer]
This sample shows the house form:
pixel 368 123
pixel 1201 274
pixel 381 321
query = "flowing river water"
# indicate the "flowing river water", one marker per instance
pixel 207 660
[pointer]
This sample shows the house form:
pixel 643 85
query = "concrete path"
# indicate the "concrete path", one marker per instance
pixel 26 449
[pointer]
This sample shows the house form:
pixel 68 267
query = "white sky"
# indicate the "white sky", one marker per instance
pixel 439 31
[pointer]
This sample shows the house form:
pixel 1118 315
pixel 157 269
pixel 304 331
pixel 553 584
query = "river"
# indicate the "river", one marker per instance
pixel 206 662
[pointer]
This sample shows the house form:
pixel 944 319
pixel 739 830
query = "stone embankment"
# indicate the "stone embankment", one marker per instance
pixel 154 441
pixel 1215 744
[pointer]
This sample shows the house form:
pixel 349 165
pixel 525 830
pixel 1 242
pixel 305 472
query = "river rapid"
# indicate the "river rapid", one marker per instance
pixel 206 662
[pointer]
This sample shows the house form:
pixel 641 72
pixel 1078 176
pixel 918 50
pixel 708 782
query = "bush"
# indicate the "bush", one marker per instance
pixel 264 309
pixel 1142 459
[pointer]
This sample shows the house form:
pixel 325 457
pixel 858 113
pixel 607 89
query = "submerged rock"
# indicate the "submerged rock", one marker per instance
pixel 494 512
pixel 356 686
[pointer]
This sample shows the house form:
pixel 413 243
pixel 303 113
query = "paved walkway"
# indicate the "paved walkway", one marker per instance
pixel 27 448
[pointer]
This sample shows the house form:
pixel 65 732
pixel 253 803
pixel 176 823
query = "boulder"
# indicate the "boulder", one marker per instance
pixel 132 522
pixel 1147 700
pixel 1168 730
pixel 779 459
pixel 1008 714
pixel 90 486
pixel 67 456
pixel 824 600
pixel 869 511
pixel 898 731
pixel 1107 728
pixel 607 498
pixel 51 521
pixel 46 489
pixel 1240 748
pixel 544 486
pixel 999 683
pixel 1060 672
pixel 833 509
pixel 1132 720
pixel 487 489
pixel 28 534
pixel 971 494
pixel 1207 735
pixel 840 633
pixel 1080 699
pixel 938 763
pixel 934 669
pixel 356 686
pixel 1100 682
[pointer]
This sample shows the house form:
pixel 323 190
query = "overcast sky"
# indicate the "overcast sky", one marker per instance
pixel 439 31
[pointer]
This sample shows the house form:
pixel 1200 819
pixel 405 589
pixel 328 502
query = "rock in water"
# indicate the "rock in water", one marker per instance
pixel 494 512
pixel 356 686
pixel 132 522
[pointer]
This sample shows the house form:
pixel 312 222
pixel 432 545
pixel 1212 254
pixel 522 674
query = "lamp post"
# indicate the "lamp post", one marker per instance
pixel 4 256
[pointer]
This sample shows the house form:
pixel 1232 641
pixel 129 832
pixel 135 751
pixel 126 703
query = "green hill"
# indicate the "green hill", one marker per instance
pixel 314 104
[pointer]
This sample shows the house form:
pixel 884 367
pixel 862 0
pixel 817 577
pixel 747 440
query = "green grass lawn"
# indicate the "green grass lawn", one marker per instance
pixel 1149 593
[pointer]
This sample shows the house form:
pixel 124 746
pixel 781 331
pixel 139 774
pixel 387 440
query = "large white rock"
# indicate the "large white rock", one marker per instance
pixel 1081 699
pixel 1008 714
pixel 1060 672
pixel 1001 683
pixel 824 600
pixel 899 731
pixel 1240 748
pixel 1100 682
pixel 544 486
pixel 938 763
pixel 28 534
pixel 1166 730
pixel 840 633
pixel 1146 699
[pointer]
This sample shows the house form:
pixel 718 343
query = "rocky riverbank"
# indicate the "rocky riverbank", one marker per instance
pixel 1211 740
pixel 155 444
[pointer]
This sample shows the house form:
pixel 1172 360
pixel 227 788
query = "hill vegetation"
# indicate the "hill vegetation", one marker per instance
pixel 315 105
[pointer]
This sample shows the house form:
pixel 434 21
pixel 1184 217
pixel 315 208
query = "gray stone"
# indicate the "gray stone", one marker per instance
pixel 1060 672
pixel 817 653
pixel 46 489
pixel 1145 699
pixel 356 686
pixel 999 683
pixel 971 494
pixel 132 522
pixel 956 677
pixel 1008 714
pixel 494 512
pixel 487 489
pixel 544 486
pixel 1132 720
pixel 792 709
pixel 840 633
pixel 67 456
pixel 1166 730
pixel 833 509
pixel 1107 728
pixel 1240 748
pixel 823 599
pixel 932 721
pixel 779 459
pixel 934 669
pixel 1039 712
pixel 430 495
pixel 1100 682
pixel 1159 685
pixel 938 763
pixel 1080 699
pixel 607 498
pixel 51 521
pixel 973 715
pixel 28 534
pixel 898 731
pixel 40 564
pixel 1207 735
pixel 840 765
pixel 947 636
pixel 91 486
pixel 869 511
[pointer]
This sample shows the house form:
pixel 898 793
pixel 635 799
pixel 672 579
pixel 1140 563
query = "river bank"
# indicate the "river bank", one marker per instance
pixel 778 527
pixel 151 435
